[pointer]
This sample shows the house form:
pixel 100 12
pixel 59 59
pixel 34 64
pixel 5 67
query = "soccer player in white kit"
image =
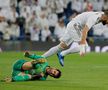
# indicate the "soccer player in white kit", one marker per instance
pixel 76 31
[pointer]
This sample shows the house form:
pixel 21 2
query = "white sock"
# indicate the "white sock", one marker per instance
pixel 52 51
pixel 74 48
pixel 70 50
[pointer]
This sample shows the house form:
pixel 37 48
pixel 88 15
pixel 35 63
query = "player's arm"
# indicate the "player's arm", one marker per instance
pixel 84 34
pixel 90 22
pixel 20 77
pixel 83 40
pixel 26 77
pixel 37 58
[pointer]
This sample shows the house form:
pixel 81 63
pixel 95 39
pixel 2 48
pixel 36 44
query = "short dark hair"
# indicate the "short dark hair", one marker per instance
pixel 106 12
pixel 58 75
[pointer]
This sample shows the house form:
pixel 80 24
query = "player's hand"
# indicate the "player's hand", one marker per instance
pixel 34 62
pixel 42 74
pixel 7 79
pixel 26 54
pixel 82 49
pixel 37 76
pixel 42 60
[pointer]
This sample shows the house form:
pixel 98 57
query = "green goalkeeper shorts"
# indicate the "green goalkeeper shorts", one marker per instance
pixel 18 64
pixel 17 67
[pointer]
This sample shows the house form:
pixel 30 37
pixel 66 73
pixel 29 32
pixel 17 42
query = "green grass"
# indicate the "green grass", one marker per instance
pixel 79 73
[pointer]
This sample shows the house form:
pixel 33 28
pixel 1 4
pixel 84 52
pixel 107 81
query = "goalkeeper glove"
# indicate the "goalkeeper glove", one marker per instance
pixel 37 76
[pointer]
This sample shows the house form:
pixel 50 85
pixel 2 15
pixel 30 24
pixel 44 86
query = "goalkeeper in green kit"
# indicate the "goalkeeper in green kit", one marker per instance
pixel 37 69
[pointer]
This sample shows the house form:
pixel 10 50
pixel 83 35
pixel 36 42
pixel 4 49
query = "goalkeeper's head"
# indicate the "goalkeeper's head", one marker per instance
pixel 53 72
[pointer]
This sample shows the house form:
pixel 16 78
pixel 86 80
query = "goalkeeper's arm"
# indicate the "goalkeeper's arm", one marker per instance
pixel 26 77
pixel 37 76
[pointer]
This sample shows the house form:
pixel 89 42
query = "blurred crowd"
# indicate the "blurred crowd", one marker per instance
pixel 43 20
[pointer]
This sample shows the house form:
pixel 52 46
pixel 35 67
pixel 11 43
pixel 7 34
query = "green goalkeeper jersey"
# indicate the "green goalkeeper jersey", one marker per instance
pixel 39 67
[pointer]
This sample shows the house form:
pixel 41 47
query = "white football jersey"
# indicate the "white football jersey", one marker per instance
pixel 75 26
pixel 88 18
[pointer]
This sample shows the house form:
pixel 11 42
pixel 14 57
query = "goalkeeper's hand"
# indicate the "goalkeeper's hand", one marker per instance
pixel 82 49
pixel 38 61
pixel 34 62
pixel 37 76
pixel 7 79
pixel 26 54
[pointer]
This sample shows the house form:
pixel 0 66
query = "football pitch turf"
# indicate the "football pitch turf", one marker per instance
pixel 79 73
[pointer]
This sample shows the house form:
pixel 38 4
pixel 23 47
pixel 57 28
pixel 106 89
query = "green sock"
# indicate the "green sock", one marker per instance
pixel 33 56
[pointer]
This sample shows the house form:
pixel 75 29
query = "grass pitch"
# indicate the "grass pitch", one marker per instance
pixel 79 73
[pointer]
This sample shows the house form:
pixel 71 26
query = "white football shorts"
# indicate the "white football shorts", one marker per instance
pixel 71 34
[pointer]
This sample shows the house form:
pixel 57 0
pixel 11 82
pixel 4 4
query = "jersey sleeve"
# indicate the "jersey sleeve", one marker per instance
pixel 91 21
pixel 21 78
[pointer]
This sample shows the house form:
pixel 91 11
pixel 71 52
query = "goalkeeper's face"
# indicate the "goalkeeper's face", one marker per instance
pixel 54 72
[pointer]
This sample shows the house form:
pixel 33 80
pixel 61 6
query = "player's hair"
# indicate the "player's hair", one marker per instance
pixel 106 12
pixel 58 75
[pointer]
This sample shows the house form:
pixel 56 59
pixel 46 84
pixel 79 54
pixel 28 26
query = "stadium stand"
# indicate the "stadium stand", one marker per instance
pixel 43 20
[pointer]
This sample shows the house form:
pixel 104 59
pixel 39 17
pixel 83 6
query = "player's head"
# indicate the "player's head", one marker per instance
pixel 53 72
pixel 104 18
pixel 106 13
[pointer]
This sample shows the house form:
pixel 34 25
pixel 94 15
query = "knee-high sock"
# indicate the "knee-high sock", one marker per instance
pixel 74 48
pixel 52 51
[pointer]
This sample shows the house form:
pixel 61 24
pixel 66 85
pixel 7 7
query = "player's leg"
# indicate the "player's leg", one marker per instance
pixel 55 49
pixel 27 66
pixel 18 64
pixel 74 48
pixel 18 67
pixel 65 41
pixel 68 38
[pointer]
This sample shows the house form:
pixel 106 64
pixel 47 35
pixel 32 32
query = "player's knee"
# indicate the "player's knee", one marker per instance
pixel 63 45
pixel 27 66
